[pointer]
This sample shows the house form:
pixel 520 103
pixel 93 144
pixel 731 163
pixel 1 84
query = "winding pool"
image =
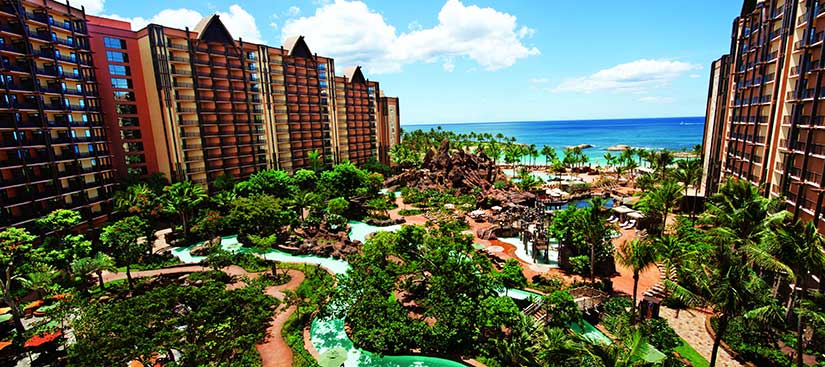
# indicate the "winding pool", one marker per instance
pixel 328 336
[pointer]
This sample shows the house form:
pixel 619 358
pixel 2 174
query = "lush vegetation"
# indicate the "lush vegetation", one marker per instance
pixel 433 273
pixel 207 324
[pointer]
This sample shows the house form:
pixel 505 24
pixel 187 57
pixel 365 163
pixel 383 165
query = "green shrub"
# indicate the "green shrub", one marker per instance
pixel 661 335
pixel 406 212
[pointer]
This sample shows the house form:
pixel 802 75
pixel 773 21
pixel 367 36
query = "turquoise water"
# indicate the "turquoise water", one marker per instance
pixel 329 336
pixel 657 133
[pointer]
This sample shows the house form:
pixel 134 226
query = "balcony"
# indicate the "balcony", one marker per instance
pixel 177 46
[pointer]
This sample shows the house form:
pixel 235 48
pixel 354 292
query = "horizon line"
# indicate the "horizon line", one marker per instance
pixel 559 120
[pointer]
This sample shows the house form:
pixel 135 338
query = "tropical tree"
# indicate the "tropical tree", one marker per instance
pixel 62 246
pixel 316 161
pixel 689 173
pixel 742 219
pixel 609 159
pixel 638 256
pixel 596 230
pixel 94 265
pixel 512 349
pixel 661 200
pixel 549 154
pixel 304 200
pixel 557 347
pixel 661 161
pixel 533 152
pixel 137 199
pixel 41 280
pixel 15 244
pixel 182 198
pixel 799 246
pixel 122 237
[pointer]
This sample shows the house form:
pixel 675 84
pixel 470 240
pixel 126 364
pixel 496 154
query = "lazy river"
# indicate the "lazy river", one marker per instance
pixel 329 336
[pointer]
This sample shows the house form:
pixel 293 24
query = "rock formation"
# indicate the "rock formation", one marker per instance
pixel 468 174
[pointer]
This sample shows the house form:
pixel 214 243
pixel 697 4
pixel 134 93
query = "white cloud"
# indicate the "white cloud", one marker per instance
pixel 656 99
pixel 174 18
pixel 449 66
pixel 636 76
pixel 93 7
pixel 539 80
pixel 695 76
pixel 238 21
pixel 353 34
pixel 293 11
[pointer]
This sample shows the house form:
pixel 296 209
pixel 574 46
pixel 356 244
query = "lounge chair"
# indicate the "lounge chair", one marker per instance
pixel 622 224
pixel 611 218
pixel 614 220
pixel 630 224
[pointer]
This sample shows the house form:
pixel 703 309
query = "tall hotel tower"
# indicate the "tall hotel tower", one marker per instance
pixel 766 105
pixel 88 103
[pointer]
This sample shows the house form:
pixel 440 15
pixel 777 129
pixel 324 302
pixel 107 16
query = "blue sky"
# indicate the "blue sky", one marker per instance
pixel 479 60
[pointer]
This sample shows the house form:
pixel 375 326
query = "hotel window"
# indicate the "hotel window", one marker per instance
pixel 125 109
pixel 114 43
pixel 322 67
pixel 128 122
pixel 129 134
pixel 115 56
pixel 121 83
pixel 250 55
pixel 135 159
pixel 124 96
pixel 119 70
pixel 133 147
pixel 137 171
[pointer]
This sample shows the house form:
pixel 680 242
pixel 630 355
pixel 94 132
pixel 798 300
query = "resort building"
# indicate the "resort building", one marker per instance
pixel 123 100
pixel 54 150
pixel 88 103
pixel 715 114
pixel 772 130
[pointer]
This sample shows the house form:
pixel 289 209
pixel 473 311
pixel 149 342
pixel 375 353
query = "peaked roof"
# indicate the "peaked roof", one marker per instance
pixel 297 47
pixel 354 75
pixel 748 7
pixel 211 29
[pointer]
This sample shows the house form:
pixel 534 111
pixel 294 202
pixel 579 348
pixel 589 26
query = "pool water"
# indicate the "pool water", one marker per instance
pixel 329 336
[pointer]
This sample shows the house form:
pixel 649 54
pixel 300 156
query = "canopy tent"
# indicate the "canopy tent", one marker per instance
pixel 635 215
pixel 622 209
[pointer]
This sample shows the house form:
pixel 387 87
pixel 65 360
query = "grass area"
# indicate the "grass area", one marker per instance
pixel 687 352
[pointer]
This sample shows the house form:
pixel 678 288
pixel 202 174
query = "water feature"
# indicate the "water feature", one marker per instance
pixel 329 336
pixel 525 252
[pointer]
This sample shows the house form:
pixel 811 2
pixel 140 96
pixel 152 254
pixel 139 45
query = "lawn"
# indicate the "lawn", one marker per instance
pixel 686 351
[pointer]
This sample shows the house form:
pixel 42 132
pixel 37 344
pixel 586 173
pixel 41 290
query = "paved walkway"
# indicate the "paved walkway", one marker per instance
pixel 274 351
pixel 690 325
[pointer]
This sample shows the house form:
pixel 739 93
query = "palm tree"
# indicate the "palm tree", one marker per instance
pixel 533 152
pixel 800 246
pixel 40 281
pixel 304 200
pixel 316 161
pixel 610 159
pixel 512 348
pixel 183 198
pixel 661 160
pixel 659 201
pixel 138 199
pixel 596 230
pixel 557 347
pixel 742 220
pixel 94 265
pixel 689 173
pixel 549 154
pixel 638 256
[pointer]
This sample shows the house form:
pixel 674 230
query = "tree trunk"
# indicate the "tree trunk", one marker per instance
pixel 129 278
pixel 100 280
pixel 592 263
pixel 717 340
pixel 799 345
pixel 635 290
pixel 185 224
pixel 9 299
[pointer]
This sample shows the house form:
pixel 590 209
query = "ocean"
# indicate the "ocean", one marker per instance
pixel 673 133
